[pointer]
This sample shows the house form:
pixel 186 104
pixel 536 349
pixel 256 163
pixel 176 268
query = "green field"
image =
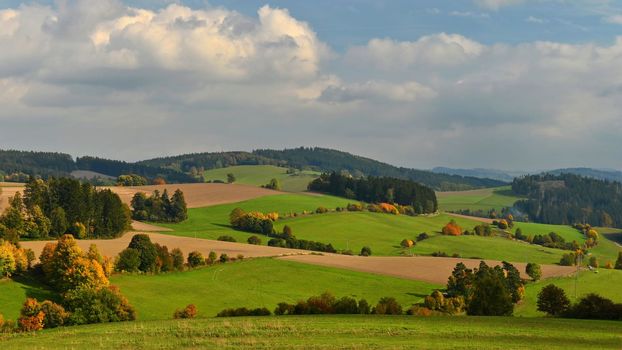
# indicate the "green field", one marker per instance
pixel 605 283
pixel 258 175
pixel 332 332
pixel 251 283
pixel 484 199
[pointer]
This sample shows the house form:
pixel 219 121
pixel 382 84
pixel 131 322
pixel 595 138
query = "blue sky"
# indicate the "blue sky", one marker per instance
pixel 530 84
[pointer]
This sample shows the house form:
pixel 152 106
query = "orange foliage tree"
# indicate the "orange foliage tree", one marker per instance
pixel 452 229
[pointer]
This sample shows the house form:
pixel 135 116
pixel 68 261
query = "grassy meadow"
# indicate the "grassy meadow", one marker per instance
pixel 482 199
pixel 332 332
pixel 258 175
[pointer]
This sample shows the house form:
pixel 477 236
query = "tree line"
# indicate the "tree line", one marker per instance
pixel 63 205
pixel 159 207
pixel 569 199
pixel 378 190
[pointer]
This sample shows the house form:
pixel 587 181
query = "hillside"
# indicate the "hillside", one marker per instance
pixel 508 176
pixel 322 160
pixel 258 175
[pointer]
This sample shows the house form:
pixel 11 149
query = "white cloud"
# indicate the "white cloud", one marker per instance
pixel 377 91
pixel 470 14
pixel 495 5
pixel 614 19
pixel 532 19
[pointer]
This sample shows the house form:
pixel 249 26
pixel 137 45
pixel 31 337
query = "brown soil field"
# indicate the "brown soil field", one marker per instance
pixel 112 247
pixel 423 268
pixel 197 195
pixel 145 227
pixel 474 218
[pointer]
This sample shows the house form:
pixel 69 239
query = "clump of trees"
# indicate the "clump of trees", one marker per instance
pixel 487 291
pixel 378 190
pixel 159 207
pixel 13 259
pixel 131 180
pixel 58 206
pixel 273 184
pixel 553 301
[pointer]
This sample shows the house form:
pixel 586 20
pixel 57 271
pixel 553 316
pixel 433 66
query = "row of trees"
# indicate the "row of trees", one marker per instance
pixel 378 190
pixel 160 207
pixel 567 199
pixel 553 301
pixel 58 206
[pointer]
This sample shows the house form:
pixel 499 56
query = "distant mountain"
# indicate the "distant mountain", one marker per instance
pixel 500 175
pixel 319 159
pixel 600 174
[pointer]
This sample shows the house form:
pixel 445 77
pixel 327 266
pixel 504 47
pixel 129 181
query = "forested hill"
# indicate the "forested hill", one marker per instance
pixel 44 164
pixel 570 199
pixel 324 160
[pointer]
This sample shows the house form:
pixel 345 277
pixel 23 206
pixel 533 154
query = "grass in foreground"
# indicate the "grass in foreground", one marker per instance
pixel 258 175
pixel 13 292
pixel 483 199
pixel 258 283
pixel 333 332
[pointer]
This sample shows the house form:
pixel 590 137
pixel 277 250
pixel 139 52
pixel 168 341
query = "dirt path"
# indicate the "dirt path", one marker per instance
pixel 423 268
pixel 112 247
pixel 196 195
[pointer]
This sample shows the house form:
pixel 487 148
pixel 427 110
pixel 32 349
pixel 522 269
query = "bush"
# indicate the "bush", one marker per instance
pixel 422 236
pixel 321 210
pixel 98 306
pixel 223 258
pixel 534 271
pixel 190 311
pixel 365 251
pixel 284 309
pixel 440 254
pixel 354 207
pixel 178 259
pixel 55 315
pixel 242 311
pixel 552 300
pixel 452 229
pixel 568 259
pixel 276 242
pixel 322 304
pixel 211 257
pixel 346 305
pixel 164 261
pixel 387 306
pixel 227 239
pixel 593 262
pixel 31 317
pixel 128 260
pixel 364 308
pixel 147 251
pixel 595 307
pixel 407 243
pixel 618 265
pixel 254 240
pixel 195 259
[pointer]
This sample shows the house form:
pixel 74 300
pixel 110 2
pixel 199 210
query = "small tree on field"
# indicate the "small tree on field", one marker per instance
pixel 254 240
pixel 230 178
pixel 619 262
pixel 534 271
pixel 365 251
pixel 553 300
pixel 211 258
pixel 178 259
pixel 388 306
pixel 190 311
pixel 195 259
pixel 223 258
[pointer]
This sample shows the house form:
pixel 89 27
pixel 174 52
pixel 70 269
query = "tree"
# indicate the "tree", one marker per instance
pixel 58 222
pixel 254 240
pixel 618 265
pixel 552 300
pixel 452 229
pixel 274 184
pixel 146 250
pixel 178 259
pixel 230 178
pixel 388 306
pixel 534 271
pixel 568 259
pixel 490 297
pixel 195 259
pixel 365 251
pixel 128 260
pixel 211 257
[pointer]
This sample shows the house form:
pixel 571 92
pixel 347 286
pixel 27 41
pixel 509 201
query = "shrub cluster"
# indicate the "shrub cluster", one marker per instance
pixel 554 302
pixel 242 311
pixel 452 229
pixel 190 311
pixel 160 208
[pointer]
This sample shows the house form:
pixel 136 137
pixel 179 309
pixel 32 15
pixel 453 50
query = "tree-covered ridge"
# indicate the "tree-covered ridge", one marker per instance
pixel 57 206
pixel 319 159
pixel 117 168
pixel 569 199
pixel 44 164
pixel 378 190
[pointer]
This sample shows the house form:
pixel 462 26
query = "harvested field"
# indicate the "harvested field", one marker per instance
pixel 197 195
pixel 474 218
pixel 145 227
pixel 112 247
pixel 422 268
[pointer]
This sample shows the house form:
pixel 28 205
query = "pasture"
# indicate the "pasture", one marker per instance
pixel 258 175
pixel 333 332
pixel 483 199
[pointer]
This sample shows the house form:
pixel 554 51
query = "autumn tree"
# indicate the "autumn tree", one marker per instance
pixel 452 229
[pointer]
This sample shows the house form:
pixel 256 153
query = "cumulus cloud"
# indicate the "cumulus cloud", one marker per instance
pixel 130 83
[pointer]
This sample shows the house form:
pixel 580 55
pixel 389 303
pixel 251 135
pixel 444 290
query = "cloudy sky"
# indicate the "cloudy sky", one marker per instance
pixel 512 84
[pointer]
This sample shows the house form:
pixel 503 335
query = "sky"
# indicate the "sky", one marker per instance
pixel 510 84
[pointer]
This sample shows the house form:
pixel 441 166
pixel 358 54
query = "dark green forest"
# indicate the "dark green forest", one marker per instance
pixel 378 190
pixel 569 199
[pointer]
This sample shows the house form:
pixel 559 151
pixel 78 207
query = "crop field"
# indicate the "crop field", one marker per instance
pixel 604 282
pixel 483 199
pixel 258 175
pixel 333 332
